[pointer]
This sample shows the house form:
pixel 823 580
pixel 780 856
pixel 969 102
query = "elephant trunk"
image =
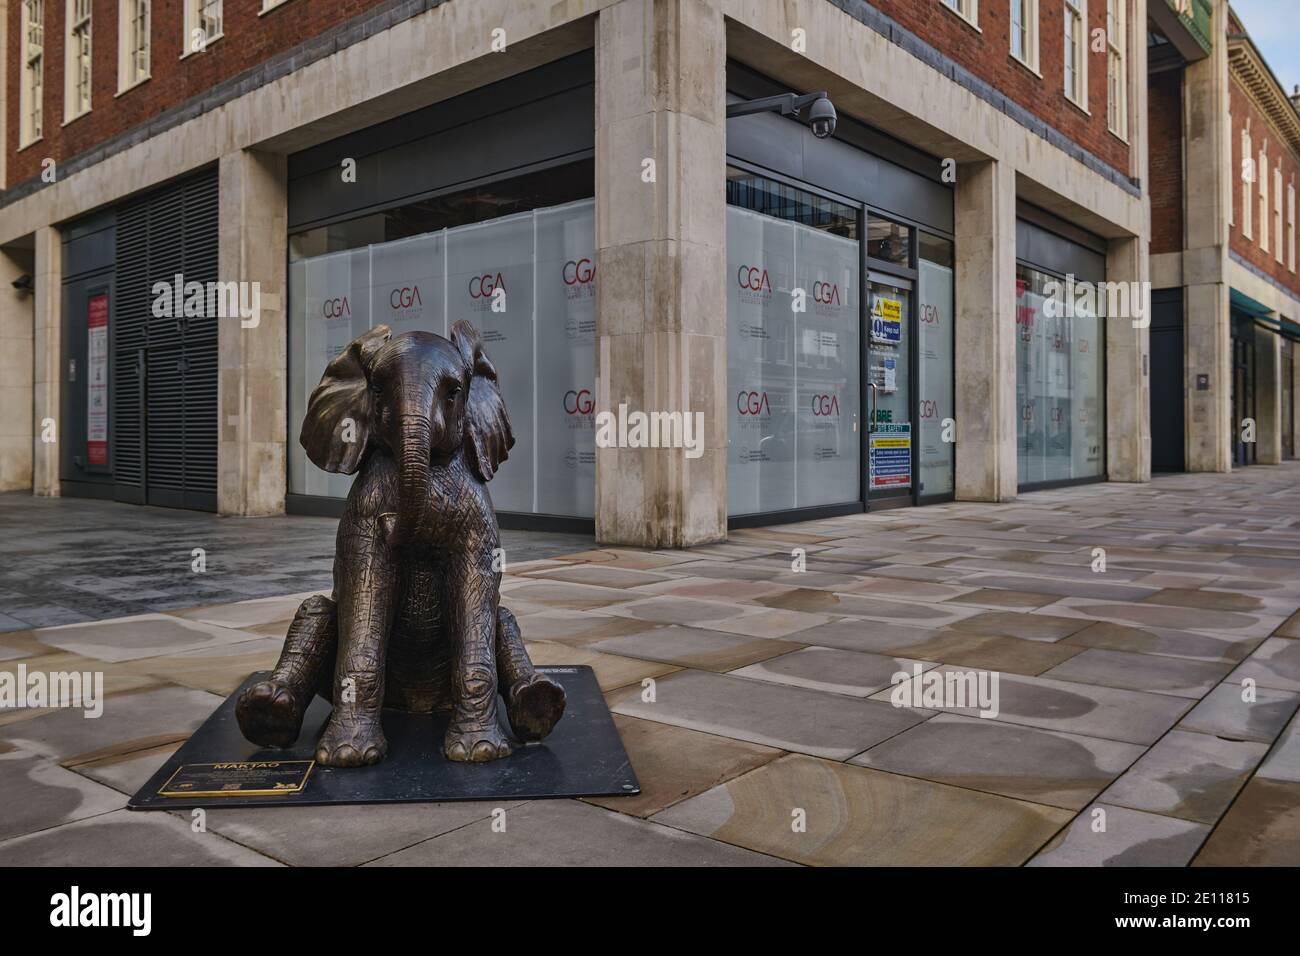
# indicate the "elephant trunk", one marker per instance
pixel 413 462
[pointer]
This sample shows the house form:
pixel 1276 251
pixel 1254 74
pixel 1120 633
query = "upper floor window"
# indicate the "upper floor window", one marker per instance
pixel 1263 199
pixel 1024 32
pixel 1076 52
pixel 272 4
pixel 76 69
pixel 202 24
pixel 1117 67
pixel 32 94
pixel 1247 185
pixel 968 10
pixel 1290 226
pixel 133 43
pixel 1278 249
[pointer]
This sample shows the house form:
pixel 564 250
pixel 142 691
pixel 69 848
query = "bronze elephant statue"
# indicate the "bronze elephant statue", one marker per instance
pixel 414 623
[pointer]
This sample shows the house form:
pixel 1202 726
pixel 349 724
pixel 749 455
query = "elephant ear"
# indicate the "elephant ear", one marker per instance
pixel 343 397
pixel 487 425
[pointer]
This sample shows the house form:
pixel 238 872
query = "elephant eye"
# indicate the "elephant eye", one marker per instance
pixel 452 393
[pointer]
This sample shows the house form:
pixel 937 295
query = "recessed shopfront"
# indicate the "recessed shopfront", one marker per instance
pixel 839 320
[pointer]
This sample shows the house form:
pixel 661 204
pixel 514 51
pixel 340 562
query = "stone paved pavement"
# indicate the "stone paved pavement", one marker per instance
pixel 765 733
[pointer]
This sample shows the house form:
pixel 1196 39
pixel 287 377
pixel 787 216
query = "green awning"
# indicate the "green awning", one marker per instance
pixel 1245 304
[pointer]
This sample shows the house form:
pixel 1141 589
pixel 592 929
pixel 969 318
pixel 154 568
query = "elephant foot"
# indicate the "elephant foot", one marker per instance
pixel 475 743
pixel 534 706
pixel 269 714
pixel 351 739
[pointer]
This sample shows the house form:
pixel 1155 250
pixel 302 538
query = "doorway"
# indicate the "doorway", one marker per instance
pixel 1168 396
pixel 888 361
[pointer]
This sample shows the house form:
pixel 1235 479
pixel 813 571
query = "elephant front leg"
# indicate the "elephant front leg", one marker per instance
pixel 366 594
pixel 474 733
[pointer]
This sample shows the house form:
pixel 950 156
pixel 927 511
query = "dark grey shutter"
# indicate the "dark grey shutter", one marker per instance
pixel 165 420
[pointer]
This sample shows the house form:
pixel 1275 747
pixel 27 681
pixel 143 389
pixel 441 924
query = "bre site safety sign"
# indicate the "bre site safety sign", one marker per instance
pixel 891 455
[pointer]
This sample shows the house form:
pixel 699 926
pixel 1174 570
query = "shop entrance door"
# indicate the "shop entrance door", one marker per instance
pixel 1243 390
pixel 888 361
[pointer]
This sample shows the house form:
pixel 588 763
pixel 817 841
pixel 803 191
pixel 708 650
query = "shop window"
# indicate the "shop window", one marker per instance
pixel 426 265
pixel 32 93
pixel 1076 52
pixel 133 43
pixel 889 241
pixel 1059 381
pixel 793 392
pixel 1024 32
pixel 76 67
pixel 935 364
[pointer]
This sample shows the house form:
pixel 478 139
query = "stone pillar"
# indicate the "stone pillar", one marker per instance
pixel 1268 397
pixel 985 331
pixel 660 239
pixel 1128 364
pixel 47 336
pixel 1207 192
pixel 252 384
pixel 16 327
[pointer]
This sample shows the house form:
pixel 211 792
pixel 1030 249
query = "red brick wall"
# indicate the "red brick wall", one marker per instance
pixel 987 54
pixel 1165 149
pixel 248 40
pixel 1243 108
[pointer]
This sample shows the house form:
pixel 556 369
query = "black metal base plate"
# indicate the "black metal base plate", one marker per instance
pixel 582 757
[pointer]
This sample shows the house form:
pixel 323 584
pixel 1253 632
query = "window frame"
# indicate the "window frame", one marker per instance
pixel 1279 250
pixel 1247 183
pixel 78 59
pixel 1117 85
pixel 192 20
pixel 1261 173
pixel 1029 32
pixel 1075 12
pixel 31 92
pixel 966 10
pixel 128 55
pixel 1290 208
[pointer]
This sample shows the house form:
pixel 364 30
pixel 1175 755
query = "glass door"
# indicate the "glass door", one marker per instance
pixel 888 361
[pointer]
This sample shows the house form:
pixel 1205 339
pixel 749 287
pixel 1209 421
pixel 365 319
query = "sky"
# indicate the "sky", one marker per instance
pixel 1274 25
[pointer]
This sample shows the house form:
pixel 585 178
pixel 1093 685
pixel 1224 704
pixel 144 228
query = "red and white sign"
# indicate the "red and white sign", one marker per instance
pixel 97 380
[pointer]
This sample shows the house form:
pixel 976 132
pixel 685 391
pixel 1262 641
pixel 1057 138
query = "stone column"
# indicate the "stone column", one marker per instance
pixel 251 352
pixel 1207 191
pixel 1268 397
pixel 1128 364
pixel 985 331
pixel 47 336
pixel 16 327
pixel 660 237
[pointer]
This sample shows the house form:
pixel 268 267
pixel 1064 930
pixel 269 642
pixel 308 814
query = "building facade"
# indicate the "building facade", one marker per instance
pixel 1225 152
pixel 204 202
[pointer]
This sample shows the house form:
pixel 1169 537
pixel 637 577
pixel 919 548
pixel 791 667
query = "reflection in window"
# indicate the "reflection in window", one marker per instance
pixel 889 241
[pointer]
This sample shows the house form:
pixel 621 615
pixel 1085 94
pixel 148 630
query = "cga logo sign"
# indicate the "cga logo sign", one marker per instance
pixel 578 402
pixel 753 279
pixel 579 272
pixel 482 287
pixel 824 406
pixel 826 293
pixel 407 297
pixel 336 308
pixel 753 403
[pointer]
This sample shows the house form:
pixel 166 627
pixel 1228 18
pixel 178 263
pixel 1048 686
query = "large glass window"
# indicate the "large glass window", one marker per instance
pixel 1059 388
pixel 32 94
pixel 935 368
pixel 793 437
pixel 428 264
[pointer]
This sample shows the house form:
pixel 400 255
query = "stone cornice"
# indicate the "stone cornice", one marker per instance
pixel 1253 74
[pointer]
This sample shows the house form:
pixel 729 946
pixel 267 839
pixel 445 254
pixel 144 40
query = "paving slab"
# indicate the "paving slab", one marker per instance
pixel 852 816
pixel 123 838
pixel 673 763
pixel 1275 664
pixel 1027 763
pixel 1107 712
pixel 1262 828
pixel 1130 838
pixel 571 833
pixel 36 794
pixel 1159 675
pixel 611 670
pixel 694 647
pixel 1224 713
pixel 774 715
pixel 144 635
pixel 1187 775
pixel 832 670
pixel 1164 642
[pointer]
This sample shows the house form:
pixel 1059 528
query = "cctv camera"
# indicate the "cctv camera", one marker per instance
pixel 23 283
pixel 821 117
